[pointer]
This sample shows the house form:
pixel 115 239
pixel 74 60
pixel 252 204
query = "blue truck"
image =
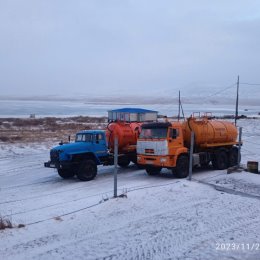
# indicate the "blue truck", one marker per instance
pixel 81 157
pixel 96 147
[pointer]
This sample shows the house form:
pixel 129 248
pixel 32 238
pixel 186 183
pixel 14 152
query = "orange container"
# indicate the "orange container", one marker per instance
pixel 209 132
pixel 127 134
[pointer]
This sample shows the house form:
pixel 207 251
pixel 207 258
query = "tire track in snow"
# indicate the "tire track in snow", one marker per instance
pixel 174 237
pixel 154 235
pixel 178 239
pixel 24 246
pixel 93 184
pixel 106 194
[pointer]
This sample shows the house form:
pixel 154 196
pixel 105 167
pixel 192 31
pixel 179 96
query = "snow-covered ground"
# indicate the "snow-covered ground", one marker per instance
pixel 214 216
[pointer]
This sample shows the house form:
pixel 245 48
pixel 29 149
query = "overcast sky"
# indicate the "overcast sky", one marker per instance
pixel 104 47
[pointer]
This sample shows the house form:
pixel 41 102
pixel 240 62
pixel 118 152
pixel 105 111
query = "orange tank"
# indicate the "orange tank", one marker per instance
pixel 209 132
pixel 127 134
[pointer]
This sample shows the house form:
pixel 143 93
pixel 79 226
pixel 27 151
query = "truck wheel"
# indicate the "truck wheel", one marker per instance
pixel 87 170
pixel 123 162
pixel 151 170
pixel 66 174
pixel 139 166
pixel 220 160
pixel 182 167
pixel 233 156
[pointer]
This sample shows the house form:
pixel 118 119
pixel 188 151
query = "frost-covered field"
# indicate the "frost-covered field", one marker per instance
pixel 215 216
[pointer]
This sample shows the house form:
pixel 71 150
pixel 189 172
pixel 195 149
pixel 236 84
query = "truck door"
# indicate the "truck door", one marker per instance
pixel 175 138
pixel 100 145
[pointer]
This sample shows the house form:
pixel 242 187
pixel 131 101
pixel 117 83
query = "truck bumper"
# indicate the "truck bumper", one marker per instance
pixel 49 164
pixel 157 161
pixel 57 165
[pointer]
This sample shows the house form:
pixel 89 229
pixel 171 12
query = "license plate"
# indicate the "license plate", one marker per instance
pixel 52 165
pixel 149 162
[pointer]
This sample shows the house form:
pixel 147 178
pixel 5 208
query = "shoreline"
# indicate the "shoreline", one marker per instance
pixel 56 129
pixel 38 130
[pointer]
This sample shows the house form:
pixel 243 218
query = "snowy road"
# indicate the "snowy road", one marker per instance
pixel 39 193
pixel 161 217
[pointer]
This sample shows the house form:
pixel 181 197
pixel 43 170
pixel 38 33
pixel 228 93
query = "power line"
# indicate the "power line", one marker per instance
pixel 222 90
pixel 231 86
pixel 250 84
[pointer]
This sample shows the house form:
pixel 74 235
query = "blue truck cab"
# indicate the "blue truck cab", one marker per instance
pixel 81 157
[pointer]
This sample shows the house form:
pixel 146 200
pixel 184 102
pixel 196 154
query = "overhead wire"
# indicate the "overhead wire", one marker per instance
pixel 228 87
pixel 222 90
pixel 250 84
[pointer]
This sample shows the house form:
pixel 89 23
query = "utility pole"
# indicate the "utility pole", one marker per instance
pixel 236 115
pixel 179 111
pixel 239 147
pixel 182 112
pixel 191 155
pixel 115 165
pixel 180 108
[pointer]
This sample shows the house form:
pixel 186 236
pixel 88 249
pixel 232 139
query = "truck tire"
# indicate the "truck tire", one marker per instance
pixel 66 173
pixel 233 156
pixel 87 170
pixel 123 162
pixel 220 160
pixel 182 167
pixel 139 166
pixel 152 170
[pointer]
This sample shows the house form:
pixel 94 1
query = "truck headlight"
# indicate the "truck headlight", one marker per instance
pixel 162 160
pixel 138 158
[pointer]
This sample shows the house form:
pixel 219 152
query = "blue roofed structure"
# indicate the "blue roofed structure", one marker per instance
pixel 133 110
pixel 132 115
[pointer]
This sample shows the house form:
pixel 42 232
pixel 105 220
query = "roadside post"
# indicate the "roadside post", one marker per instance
pixel 239 147
pixel 115 165
pixel 191 155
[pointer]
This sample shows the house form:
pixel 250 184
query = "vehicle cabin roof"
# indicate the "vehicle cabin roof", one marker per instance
pixel 160 125
pixel 91 132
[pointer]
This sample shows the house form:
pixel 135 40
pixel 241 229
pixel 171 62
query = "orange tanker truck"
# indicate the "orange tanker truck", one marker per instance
pixel 127 134
pixel 125 124
pixel 166 145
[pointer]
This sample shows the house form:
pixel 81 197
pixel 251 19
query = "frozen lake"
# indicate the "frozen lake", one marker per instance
pixel 23 108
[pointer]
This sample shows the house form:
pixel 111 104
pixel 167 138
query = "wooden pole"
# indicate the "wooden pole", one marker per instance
pixel 236 116
pixel 179 110
pixel 239 147
pixel 191 155
pixel 115 165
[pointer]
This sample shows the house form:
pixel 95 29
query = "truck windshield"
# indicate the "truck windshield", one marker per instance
pixel 147 133
pixel 83 138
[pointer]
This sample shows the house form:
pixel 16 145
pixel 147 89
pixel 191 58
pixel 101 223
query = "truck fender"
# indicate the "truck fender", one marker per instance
pixel 78 157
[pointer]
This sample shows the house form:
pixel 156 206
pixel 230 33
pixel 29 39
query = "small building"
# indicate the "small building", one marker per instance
pixel 132 115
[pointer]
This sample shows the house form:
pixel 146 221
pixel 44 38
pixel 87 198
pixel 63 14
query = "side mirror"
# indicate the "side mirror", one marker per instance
pixel 174 133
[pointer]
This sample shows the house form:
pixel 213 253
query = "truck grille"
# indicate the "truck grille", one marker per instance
pixel 150 159
pixel 149 151
pixel 54 155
